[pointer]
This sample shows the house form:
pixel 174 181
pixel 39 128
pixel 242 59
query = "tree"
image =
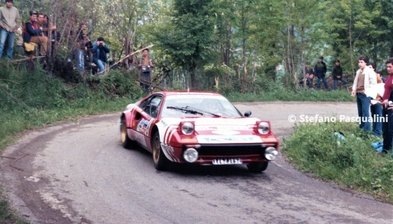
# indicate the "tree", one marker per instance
pixel 188 37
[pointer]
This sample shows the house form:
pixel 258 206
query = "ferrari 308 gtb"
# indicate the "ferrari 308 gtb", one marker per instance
pixel 197 128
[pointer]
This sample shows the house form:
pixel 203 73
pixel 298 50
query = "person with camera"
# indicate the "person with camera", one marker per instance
pixel 100 51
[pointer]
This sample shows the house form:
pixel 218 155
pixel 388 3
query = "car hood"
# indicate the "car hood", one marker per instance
pixel 213 122
pixel 219 130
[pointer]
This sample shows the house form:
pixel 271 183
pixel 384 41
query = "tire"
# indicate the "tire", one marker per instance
pixel 126 142
pixel 159 159
pixel 257 167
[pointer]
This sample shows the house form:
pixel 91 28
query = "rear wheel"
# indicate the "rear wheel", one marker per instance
pixel 257 167
pixel 159 158
pixel 126 142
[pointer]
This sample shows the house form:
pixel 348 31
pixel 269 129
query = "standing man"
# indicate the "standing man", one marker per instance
pixel 337 74
pixel 376 104
pixel 320 71
pixel 145 65
pixel 387 99
pixel 99 50
pixel 83 48
pixel 9 23
pixel 362 88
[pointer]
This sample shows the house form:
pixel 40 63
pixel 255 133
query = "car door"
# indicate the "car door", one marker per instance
pixel 145 117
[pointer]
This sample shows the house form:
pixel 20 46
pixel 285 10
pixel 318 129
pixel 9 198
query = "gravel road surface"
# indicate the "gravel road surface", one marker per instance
pixel 79 173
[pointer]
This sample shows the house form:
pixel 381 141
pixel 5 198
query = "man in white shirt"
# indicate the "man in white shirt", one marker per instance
pixel 362 88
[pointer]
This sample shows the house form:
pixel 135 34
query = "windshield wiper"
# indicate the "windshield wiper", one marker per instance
pixel 186 109
pixel 192 110
pixel 210 113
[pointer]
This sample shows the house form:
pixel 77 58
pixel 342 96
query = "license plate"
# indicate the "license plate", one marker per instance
pixel 226 161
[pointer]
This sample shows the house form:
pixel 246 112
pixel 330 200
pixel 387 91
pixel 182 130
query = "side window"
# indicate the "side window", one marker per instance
pixel 155 106
pixel 144 104
pixel 152 105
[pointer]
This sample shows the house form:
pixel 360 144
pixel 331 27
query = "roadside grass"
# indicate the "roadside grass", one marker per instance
pixel 351 162
pixel 282 94
pixel 6 215
pixel 32 100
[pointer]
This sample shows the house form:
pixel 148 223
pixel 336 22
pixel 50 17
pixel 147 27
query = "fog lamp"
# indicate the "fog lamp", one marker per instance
pixel 190 155
pixel 271 153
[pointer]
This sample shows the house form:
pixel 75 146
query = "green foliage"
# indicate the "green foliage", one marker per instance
pixel 189 36
pixel 117 84
pixel 352 162
pixel 31 99
pixel 250 37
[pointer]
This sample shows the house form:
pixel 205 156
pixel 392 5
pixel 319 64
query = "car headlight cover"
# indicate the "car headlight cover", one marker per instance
pixel 271 153
pixel 263 127
pixel 187 128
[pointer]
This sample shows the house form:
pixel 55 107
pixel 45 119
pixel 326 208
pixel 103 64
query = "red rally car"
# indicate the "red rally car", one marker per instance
pixel 197 127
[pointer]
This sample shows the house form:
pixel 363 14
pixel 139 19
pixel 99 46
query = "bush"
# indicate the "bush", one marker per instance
pixel 352 162
pixel 119 84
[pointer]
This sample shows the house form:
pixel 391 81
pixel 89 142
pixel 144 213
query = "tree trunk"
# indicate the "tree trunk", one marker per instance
pixel 351 40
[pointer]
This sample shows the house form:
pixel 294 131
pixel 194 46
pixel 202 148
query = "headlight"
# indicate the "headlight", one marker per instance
pixel 271 153
pixel 263 127
pixel 187 128
pixel 190 155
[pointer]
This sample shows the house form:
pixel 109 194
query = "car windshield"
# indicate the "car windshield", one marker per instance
pixel 198 105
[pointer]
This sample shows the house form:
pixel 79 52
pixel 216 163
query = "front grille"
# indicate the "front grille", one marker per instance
pixel 207 150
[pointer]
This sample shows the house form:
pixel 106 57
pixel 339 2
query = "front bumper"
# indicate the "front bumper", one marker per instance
pixel 210 154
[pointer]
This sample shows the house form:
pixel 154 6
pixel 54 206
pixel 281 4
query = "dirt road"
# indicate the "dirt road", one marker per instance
pixel 79 173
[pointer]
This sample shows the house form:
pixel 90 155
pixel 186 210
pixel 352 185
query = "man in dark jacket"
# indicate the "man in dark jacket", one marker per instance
pixel 99 50
pixel 33 33
pixel 320 71
pixel 388 111
pixel 337 74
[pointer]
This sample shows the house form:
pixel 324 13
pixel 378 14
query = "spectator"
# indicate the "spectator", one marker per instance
pixel 145 66
pixel 84 45
pixel 337 74
pixel 308 77
pixel 387 98
pixel 33 33
pixel 362 88
pixel 99 50
pixel 320 71
pixel 45 25
pixel 376 105
pixel 9 23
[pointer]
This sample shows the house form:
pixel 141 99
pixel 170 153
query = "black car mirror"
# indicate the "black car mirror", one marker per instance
pixel 247 113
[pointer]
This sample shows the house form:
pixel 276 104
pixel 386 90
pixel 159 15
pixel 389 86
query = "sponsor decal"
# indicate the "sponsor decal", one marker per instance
pixel 143 126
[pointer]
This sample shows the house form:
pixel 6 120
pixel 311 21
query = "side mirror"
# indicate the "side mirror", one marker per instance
pixel 247 113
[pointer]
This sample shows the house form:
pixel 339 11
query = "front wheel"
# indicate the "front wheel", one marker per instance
pixel 126 142
pixel 159 159
pixel 257 167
